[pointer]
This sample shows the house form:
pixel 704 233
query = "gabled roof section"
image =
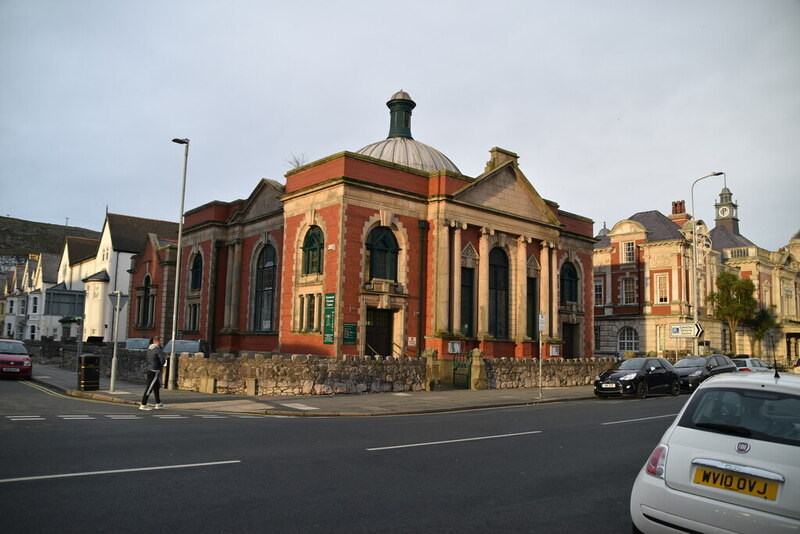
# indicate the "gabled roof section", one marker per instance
pixel 722 238
pixel 81 248
pixel 129 234
pixel 503 187
pixel 264 200
pixel 49 263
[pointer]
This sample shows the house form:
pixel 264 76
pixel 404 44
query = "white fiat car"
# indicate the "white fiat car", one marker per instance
pixel 729 463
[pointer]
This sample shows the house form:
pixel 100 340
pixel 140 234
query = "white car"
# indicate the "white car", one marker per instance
pixel 730 462
pixel 753 365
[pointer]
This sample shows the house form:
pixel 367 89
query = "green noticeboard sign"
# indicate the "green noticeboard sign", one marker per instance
pixel 328 322
pixel 349 333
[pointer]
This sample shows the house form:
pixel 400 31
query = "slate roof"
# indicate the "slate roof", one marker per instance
pixel 722 238
pixel 659 228
pixel 129 234
pixel 81 248
pixel 50 267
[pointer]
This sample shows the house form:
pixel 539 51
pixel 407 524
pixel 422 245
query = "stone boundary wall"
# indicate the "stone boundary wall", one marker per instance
pixel 509 373
pixel 282 375
pixel 295 375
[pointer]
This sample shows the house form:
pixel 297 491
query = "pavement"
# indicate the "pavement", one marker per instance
pixel 366 404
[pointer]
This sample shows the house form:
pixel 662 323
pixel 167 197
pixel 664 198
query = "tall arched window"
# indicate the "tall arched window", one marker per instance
pixel 628 339
pixel 145 304
pixel 196 275
pixel 498 293
pixel 569 283
pixel 264 298
pixel 312 250
pixel 382 251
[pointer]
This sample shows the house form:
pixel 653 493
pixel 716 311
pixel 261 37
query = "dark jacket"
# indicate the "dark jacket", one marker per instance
pixel 155 357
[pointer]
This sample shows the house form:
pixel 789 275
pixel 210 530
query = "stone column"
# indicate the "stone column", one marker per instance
pixel 520 323
pixel 554 296
pixel 441 292
pixel 544 286
pixel 236 283
pixel 483 283
pixel 456 307
pixel 228 287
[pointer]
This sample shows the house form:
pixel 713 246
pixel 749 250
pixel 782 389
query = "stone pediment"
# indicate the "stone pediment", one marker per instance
pixel 264 200
pixel 507 190
pixel 627 227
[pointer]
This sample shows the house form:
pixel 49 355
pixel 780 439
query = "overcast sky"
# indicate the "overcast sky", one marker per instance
pixel 614 107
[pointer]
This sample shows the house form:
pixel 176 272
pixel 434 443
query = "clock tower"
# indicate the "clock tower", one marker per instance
pixel 726 212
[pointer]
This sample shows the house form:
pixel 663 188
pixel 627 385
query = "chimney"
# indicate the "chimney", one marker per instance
pixel 679 215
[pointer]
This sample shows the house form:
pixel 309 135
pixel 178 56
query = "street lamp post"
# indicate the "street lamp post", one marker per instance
pixel 120 299
pixel 173 371
pixel 695 285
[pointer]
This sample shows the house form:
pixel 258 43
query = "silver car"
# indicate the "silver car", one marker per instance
pixel 730 462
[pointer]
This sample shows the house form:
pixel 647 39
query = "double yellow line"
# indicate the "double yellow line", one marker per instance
pixel 44 389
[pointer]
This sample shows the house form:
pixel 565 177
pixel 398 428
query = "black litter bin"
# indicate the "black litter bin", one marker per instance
pixel 88 372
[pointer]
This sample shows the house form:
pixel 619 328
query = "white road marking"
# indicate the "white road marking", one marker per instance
pixel 211 416
pixel 640 419
pixel 122 417
pixel 170 416
pixel 401 394
pixel 298 406
pixel 75 417
pixel 455 441
pixel 25 417
pixel 114 471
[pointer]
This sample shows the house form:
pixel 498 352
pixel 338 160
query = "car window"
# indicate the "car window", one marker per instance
pixel 764 415
pixel 6 347
pixel 652 362
pixel 740 363
pixel 691 362
pixel 632 364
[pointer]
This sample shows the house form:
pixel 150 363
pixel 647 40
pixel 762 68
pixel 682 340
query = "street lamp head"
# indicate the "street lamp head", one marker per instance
pixel 186 141
pixel 712 174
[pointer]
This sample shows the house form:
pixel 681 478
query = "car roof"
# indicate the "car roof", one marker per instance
pixel 13 341
pixel 786 382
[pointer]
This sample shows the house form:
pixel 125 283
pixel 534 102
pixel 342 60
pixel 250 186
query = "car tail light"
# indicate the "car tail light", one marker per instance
pixel 745 369
pixel 657 462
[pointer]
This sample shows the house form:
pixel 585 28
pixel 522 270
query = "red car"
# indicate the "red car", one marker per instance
pixel 14 359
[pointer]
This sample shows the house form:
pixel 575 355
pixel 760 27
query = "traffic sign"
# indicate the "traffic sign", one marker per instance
pixel 685 330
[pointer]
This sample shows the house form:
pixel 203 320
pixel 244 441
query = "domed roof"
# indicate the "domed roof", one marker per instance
pixel 400 147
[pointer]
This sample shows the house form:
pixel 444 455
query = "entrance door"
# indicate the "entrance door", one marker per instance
pixel 568 333
pixel 379 332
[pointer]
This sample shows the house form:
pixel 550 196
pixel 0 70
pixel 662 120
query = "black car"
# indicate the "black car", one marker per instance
pixel 638 377
pixel 694 370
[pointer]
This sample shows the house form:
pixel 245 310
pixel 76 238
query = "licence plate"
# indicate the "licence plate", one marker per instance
pixel 737 483
pixel 10 370
pixel 609 385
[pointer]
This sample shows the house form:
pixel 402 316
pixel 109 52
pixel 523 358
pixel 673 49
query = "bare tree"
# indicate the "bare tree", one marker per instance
pixel 295 161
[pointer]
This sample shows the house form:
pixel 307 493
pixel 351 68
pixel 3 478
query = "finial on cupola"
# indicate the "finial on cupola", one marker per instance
pixel 400 106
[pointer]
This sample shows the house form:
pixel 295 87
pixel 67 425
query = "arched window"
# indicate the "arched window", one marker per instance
pixel 145 304
pixel 498 293
pixel 569 283
pixel 196 276
pixel 312 251
pixel 628 339
pixel 264 298
pixel 382 251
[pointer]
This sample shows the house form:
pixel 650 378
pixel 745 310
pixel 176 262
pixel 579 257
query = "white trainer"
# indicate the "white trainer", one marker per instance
pixel 160 406
pixel 145 407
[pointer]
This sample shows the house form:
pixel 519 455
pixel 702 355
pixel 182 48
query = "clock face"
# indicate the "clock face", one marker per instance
pixel 724 211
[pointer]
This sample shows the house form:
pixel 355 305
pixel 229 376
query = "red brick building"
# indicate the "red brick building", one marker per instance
pixel 390 250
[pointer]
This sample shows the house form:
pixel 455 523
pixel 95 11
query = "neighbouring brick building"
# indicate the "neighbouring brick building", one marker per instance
pixel 642 283
pixel 390 250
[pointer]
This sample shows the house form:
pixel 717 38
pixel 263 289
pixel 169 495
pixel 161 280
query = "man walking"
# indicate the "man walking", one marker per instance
pixel 155 361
